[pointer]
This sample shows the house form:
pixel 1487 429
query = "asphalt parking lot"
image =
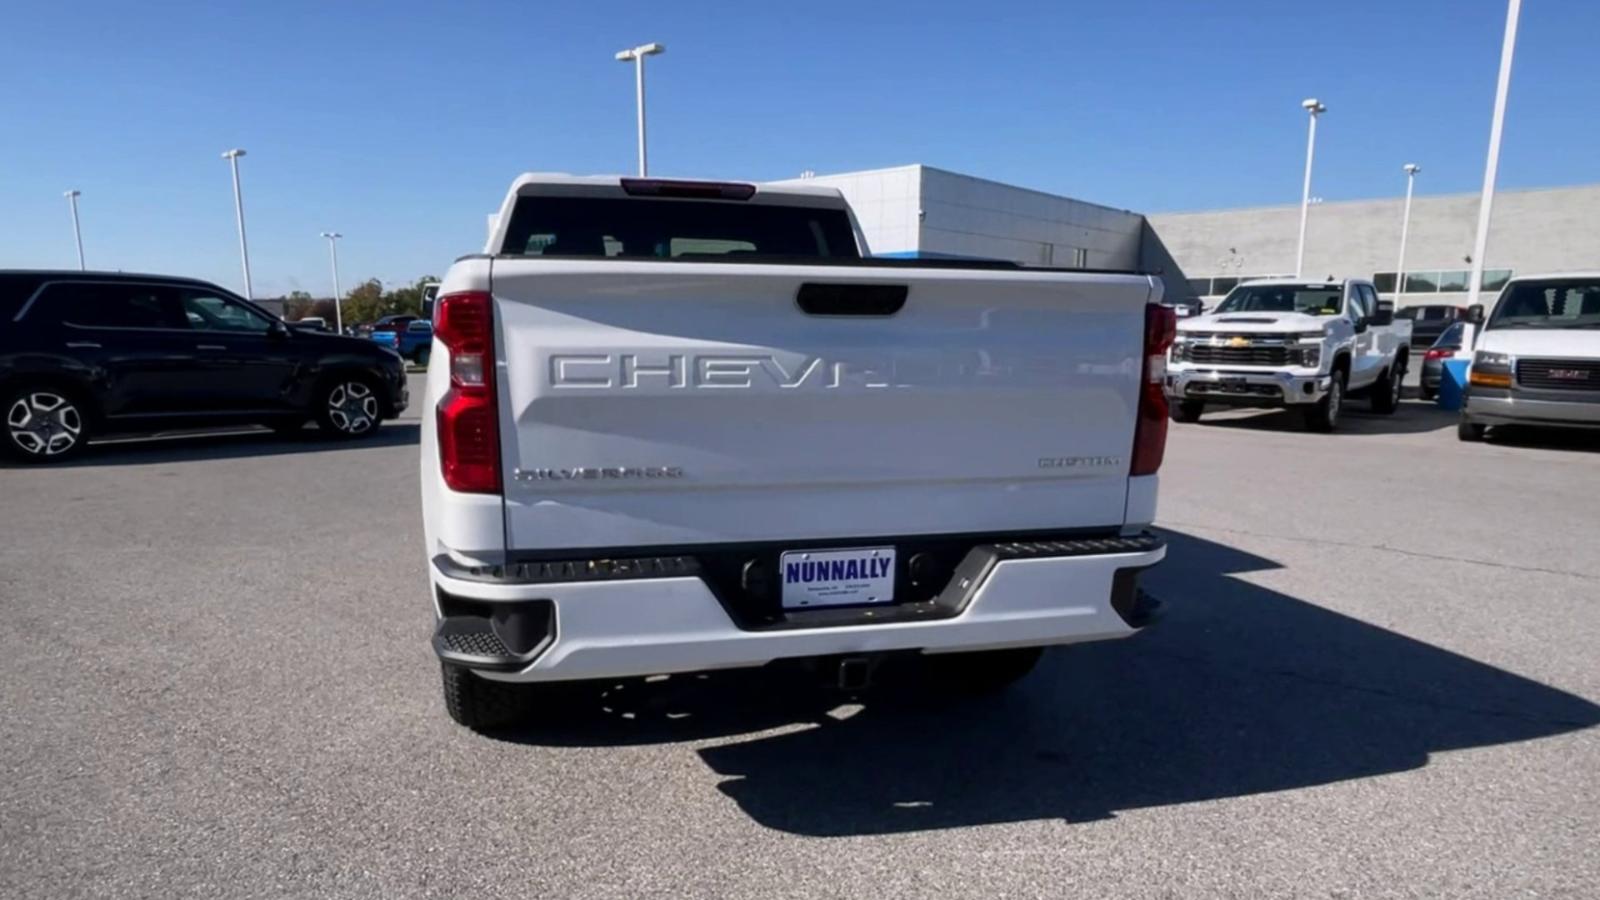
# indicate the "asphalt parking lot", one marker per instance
pixel 1377 677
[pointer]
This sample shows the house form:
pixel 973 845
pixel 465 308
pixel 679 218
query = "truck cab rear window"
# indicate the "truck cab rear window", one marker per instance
pixel 649 228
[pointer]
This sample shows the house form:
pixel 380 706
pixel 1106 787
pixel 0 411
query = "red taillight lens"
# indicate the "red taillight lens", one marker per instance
pixel 1438 354
pixel 1150 431
pixel 469 427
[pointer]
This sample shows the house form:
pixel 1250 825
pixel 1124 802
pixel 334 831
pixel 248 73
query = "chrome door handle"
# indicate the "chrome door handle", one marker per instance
pixel 210 347
pixel 82 345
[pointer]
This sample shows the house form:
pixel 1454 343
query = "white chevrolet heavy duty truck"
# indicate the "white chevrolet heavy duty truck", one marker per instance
pixel 1283 342
pixel 674 426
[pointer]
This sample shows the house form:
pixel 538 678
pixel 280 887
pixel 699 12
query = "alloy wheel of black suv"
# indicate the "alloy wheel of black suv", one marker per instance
pixel 43 424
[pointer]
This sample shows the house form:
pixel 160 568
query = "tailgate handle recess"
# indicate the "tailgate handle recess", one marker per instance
pixel 851 299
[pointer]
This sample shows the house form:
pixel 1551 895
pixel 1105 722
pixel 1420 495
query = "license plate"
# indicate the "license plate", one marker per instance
pixel 837 577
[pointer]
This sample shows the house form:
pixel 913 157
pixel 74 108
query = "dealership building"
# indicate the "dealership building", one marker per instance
pixel 922 211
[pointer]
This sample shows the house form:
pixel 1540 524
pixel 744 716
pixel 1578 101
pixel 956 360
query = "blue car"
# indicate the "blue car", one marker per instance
pixel 409 336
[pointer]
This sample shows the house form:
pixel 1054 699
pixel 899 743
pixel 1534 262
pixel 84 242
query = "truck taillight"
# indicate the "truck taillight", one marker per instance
pixel 1150 431
pixel 469 433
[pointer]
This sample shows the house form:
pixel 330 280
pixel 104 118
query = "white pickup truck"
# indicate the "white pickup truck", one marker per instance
pixel 673 426
pixel 1292 343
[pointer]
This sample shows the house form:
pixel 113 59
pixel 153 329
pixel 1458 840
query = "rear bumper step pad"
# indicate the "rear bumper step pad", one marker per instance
pixel 510 637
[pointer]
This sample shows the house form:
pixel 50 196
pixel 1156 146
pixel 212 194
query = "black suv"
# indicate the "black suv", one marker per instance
pixel 89 353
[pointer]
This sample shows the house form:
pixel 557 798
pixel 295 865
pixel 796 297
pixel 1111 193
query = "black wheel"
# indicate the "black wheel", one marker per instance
pixel 1386 392
pixel 480 704
pixel 1324 415
pixel 1470 432
pixel 1188 410
pixel 347 407
pixel 1430 393
pixel 44 423
pixel 983 671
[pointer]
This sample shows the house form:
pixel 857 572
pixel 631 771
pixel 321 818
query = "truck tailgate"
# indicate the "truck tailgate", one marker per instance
pixel 681 403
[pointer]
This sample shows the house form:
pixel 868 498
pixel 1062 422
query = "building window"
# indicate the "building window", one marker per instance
pixel 1422 283
pixel 1222 284
pixel 1495 279
pixel 1431 281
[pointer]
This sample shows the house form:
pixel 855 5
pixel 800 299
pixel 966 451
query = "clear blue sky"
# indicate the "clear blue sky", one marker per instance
pixel 400 124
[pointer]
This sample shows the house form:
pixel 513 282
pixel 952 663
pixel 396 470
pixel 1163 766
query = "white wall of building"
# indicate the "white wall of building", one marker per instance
pixel 1531 231
pixel 885 201
pixel 967 216
pixel 919 210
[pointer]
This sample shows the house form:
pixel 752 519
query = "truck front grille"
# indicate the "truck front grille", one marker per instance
pixel 1559 374
pixel 1269 355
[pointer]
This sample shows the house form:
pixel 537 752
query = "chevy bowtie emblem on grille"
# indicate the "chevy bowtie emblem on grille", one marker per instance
pixel 1238 342
pixel 1569 374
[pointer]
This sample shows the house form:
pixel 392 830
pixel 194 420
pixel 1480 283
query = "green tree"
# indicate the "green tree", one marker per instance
pixel 407 300
pixel 297 305
pixel 365 302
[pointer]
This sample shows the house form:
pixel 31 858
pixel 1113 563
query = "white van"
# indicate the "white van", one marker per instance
pixel 1537 357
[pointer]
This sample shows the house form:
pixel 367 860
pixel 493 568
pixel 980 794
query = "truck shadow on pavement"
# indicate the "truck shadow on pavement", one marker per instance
pixel 1413 417
pixel 1240 690
pixel 229 444
pixel 1582 440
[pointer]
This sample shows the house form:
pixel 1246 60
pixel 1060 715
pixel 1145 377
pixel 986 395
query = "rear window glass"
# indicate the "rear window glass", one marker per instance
pixel 650 228
pixel 15 289
pixel 114 305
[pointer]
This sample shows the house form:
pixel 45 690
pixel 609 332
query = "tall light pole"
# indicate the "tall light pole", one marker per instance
pixel 333 254
pixel 232 156
pixel 1492 165
pixel 1411 170
pixel 1315 107
pixel 636 56
pixel 77 233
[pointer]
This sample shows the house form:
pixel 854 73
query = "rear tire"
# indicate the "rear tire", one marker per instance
pixel 982 672
pixel 1470 432
pixel 1429 393
pixel 44 423
pixel 1386 392
pixel 347 407
pixel 1323 417
pixel 1188 411
pixel 480 704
